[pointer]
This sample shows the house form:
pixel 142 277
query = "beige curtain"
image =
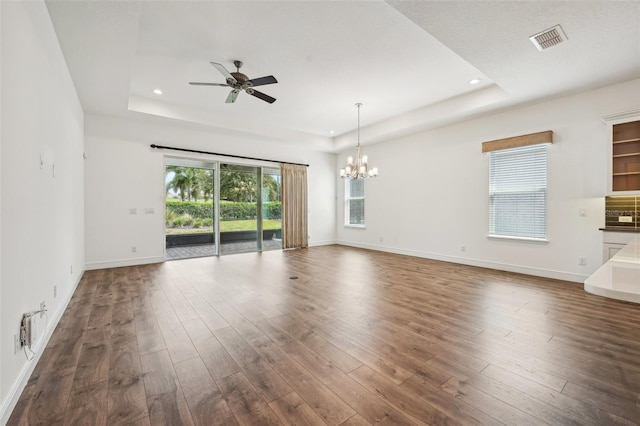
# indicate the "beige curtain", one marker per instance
pixel 294 206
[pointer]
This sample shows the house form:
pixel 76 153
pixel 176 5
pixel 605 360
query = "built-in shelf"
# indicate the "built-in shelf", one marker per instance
pixel 625 157
pixel 626 174
pixel 627 141
pixel 633 154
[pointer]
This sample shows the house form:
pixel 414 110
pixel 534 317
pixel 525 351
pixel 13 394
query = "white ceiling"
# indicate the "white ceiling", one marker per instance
pixel 408 62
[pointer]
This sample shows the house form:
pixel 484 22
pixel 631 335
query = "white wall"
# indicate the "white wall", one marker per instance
pixel 431 197
pixel 123 173
pixel 1 340
pixel 42 215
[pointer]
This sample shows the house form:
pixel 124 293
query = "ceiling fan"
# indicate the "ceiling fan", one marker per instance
pixel 238 81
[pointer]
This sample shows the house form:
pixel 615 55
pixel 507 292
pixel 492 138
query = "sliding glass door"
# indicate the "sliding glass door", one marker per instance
pixel 220 208
pixel 240 204
pixel 190 191
pixel 271 209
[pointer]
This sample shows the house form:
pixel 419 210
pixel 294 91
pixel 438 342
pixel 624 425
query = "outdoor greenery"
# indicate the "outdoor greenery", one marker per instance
pixel 228 210
pixel 192 184
pixel 228 226
pixel 189 201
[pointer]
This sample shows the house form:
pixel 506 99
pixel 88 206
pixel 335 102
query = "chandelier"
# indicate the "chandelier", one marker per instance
pixel 358 169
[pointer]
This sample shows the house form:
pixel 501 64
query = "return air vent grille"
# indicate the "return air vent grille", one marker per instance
pixel 548 38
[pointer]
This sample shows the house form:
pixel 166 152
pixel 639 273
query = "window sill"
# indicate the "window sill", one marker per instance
pixel 355 226
pixel 521 239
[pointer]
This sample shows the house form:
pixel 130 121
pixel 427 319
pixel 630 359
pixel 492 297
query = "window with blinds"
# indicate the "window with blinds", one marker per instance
pixel 354 202
pixel 518 192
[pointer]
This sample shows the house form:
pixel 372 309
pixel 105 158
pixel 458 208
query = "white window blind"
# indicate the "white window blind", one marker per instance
pixel 518 192
pixel 354 202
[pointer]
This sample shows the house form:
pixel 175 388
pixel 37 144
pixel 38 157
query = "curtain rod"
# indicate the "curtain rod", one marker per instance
pixel 224 155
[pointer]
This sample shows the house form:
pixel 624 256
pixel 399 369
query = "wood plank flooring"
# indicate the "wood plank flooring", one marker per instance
pixel 359 337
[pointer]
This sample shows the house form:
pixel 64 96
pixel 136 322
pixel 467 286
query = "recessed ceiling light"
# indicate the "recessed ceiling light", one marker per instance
pixel 157 91
pixel 332 132
pixel 474 81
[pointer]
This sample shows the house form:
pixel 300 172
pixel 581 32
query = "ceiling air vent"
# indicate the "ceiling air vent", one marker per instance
pixel 548 38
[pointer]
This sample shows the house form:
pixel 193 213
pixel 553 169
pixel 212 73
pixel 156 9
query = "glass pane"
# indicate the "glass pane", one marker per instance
pixel 517 192
pixel 356 212
pixel 189 209
pixel 238 209
pixel 357 188
pixel 271 209
pixel 518 215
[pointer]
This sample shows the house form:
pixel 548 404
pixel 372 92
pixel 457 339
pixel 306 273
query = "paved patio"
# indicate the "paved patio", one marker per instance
pixel 187 252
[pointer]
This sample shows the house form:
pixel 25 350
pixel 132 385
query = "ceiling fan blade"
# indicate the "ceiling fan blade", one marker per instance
pixel 262 96
pixel 195 83
pixel 230 79
pixel 232 96
pixel 261 81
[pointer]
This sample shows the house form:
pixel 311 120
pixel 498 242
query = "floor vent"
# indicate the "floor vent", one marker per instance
pixel 548 38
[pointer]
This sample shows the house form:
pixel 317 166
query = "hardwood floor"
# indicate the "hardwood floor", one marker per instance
pixel 360 337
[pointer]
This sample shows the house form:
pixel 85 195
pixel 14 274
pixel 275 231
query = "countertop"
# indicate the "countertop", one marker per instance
pixel 621 229
pixel 619 277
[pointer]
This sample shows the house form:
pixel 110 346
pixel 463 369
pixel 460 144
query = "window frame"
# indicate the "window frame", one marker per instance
pixel 347 204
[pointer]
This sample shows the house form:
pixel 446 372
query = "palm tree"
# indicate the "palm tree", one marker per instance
pixel 179 182
pixel 185 182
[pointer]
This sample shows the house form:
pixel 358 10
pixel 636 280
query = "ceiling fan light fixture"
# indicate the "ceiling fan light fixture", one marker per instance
pixel 358 169
pixel 238 82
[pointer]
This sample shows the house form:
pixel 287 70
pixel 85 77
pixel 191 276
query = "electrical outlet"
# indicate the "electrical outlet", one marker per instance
pixel 381 239
pixel 133 249
pixel 55 291
pixel 582 261
pixel 463 249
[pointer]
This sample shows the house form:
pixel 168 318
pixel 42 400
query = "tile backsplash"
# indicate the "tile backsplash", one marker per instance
pixel 622 212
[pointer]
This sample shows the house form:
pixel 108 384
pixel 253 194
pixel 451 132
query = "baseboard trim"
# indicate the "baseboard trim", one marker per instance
pixel 527 270
pixel 321 243
pixel 124 262
pixel 10 401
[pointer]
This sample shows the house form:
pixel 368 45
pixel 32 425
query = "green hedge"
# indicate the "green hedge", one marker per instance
pixel 192 208
pixel 229 210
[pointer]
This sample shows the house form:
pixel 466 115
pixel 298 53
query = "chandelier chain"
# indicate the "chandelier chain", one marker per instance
pixel 359 104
